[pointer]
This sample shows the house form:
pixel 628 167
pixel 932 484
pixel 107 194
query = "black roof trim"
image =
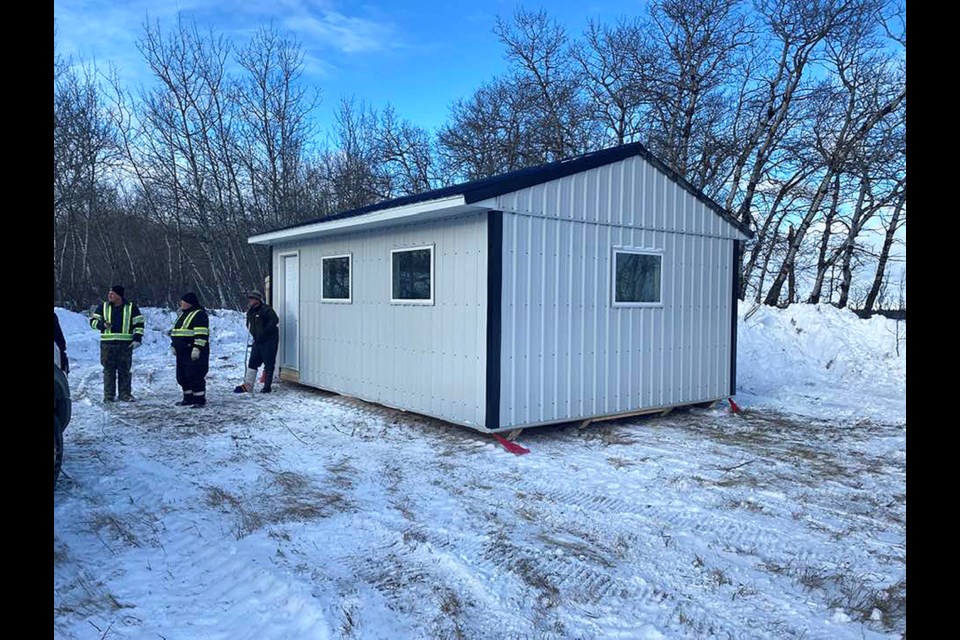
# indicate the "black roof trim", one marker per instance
pixel 493 186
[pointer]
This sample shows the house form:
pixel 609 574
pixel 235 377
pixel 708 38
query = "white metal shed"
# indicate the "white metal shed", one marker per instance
pixel 597 286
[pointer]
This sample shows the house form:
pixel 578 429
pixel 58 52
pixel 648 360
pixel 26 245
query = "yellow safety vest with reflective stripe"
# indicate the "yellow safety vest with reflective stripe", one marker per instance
pixel 130 325
pixel 200 335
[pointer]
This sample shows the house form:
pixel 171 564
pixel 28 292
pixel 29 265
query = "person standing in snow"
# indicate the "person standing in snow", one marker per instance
pixel 190 343
pixel 120 324
pixel 262 322
pixel 61 343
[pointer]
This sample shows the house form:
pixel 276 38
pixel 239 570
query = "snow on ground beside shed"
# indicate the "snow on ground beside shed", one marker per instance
pixel 308 515
pixel 820 361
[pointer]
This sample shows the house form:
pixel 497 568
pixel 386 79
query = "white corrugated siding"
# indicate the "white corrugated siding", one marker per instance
pixel 430 359
pixel 631 193
pixel 567 353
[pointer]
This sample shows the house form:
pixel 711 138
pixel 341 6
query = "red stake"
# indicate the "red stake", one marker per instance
pixel 512 447
pixel 733 406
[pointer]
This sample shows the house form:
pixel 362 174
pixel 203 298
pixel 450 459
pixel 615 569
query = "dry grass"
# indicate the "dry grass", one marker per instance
pixel 620 463
pixel 611 433
pixel 855 594
pixel 747 505
pixel 413 535
pixel 247 521
pixel 718 577
pixel 347 624
pixel 529 571
pixel 89 598
pixel 342 472
pixel 451 610
pixel 288 497
pixel 117 529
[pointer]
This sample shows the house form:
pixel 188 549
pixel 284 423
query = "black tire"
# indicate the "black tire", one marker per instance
pixel 57 449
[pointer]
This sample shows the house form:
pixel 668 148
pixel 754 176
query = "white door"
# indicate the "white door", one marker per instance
pixel 290 314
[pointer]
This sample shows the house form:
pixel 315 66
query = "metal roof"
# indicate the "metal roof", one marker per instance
pixel 493 186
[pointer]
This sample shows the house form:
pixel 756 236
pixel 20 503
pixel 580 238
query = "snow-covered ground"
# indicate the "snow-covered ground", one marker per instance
pixel 304 514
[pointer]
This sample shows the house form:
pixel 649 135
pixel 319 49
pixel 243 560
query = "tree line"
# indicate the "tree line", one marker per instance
pixel 789 113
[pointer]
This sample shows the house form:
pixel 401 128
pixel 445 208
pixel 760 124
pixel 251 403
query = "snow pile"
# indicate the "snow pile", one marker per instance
pixel 227 328
pixel 82 341
pixel 821 361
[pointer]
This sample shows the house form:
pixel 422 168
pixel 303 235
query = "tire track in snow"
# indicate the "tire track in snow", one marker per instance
pixel 212 585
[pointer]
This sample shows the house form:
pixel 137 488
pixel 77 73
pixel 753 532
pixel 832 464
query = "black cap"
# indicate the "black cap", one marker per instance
pixel 190 298
pixel 255 294
pixel 117 289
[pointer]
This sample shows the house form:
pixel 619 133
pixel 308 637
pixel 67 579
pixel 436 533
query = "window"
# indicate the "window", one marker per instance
pixel 335 286
pixel 637 277
pixel 412 275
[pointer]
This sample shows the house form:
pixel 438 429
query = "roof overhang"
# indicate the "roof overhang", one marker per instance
pixel 422 211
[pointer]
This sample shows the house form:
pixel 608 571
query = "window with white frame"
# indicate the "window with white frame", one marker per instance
pixel 637 277
pixel 335 283
pixel 411 275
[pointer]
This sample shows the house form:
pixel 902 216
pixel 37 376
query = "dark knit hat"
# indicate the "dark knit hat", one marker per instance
pixel 191 299
pixel 255 294
pixel 117 289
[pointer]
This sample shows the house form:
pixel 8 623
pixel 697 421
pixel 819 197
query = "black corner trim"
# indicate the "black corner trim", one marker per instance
pixel 734 297
pixel 494 301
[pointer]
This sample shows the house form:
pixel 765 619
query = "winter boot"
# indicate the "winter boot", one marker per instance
pixel 249 378
pixel 267 388
pixel 199 400
pixel 187 399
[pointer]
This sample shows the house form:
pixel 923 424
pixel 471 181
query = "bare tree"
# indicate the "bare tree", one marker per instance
pixel 354 172
pixel 489 133
pixel 83 155
pixel 868 100
pixel 615 61
pixel 893 224
pixel 797 30
pixel 275 110
pixel 699 46
pixel 790 112
pixel 538 48
pixel 406 152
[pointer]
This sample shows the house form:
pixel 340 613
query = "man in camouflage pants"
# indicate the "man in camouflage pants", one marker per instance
pixel 120 324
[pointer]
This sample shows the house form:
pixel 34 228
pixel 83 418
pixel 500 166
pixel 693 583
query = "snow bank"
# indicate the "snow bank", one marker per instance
pixel 226 328
pixel 821 361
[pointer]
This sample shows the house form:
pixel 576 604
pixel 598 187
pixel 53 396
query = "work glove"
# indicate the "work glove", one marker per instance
pixel 173 350
pixel 101 325
pixel 134 345
pixel 195 354
pixel 64 363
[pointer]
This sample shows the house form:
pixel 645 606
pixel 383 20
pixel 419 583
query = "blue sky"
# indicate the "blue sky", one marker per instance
pixel 419 56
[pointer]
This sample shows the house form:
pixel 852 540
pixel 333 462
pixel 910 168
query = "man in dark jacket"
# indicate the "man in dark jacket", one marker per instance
pixel 61 343
pixel 120 324
pixel 262 322
pixel 190 343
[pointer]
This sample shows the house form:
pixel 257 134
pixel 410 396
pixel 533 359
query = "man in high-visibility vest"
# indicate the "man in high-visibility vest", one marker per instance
pixel 190 343
pixel 120 324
